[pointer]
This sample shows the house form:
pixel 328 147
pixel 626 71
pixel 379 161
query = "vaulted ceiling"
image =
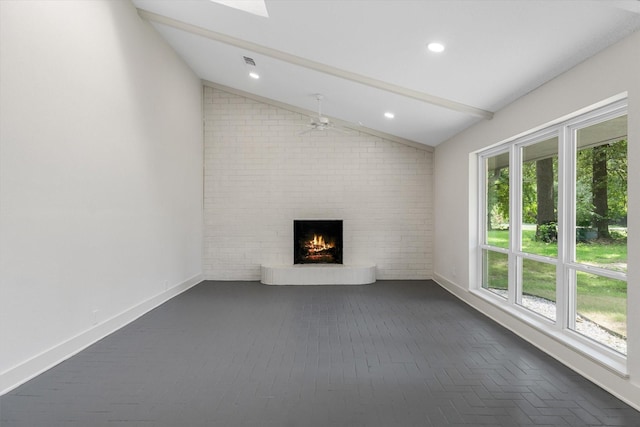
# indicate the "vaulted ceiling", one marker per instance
pixel 370 57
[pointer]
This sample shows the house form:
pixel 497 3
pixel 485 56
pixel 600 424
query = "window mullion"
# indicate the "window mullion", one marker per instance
pixel 482 224
pixel 515 220
pixel 566 215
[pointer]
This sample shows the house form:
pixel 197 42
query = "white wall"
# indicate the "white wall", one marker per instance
pixel 100 177
pixel 611 72
pixel 260 175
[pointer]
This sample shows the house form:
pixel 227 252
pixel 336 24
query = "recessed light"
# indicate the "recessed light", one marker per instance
pixel 435 47
pixel 254 75
pixel 389 115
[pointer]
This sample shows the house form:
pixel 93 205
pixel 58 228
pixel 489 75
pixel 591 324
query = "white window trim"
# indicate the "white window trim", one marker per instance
pixel 562 329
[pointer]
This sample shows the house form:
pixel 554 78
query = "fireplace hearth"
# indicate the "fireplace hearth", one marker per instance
pixel 317 241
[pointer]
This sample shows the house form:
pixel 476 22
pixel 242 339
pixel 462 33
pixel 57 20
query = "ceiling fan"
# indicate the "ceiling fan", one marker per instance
pixel 320 122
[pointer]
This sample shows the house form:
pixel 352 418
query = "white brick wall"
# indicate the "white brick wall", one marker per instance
pixel 260 175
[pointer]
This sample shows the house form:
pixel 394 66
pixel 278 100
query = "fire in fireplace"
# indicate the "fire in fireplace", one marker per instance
pixel 317 241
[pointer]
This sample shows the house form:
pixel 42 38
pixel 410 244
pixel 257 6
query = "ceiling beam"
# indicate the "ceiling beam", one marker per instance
pixel 317 66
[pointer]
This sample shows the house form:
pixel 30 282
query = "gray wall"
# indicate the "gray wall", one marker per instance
pixel 100 177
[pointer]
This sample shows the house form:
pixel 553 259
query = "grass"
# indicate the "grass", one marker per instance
pixel 600 299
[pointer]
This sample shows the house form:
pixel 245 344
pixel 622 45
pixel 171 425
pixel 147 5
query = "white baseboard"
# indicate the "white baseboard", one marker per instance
pixel 40 363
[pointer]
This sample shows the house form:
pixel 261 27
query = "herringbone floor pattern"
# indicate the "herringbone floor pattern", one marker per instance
pixel 246 354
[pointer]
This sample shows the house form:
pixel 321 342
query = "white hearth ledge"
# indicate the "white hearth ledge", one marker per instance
pixel 318 274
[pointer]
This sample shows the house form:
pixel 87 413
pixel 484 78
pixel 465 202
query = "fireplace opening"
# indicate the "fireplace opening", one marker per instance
pixel 317 241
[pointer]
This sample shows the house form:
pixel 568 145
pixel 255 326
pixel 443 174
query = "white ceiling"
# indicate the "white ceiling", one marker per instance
pixel 369 57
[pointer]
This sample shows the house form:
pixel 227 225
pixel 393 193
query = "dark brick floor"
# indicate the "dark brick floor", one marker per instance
pixel 245 354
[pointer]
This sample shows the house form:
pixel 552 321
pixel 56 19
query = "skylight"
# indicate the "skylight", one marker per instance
pixel 256 7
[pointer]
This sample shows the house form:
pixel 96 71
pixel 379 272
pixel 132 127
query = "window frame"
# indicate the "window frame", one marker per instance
pixel 563 328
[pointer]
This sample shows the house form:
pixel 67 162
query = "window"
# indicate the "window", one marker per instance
pixel 537 252
pixel 552 221
pixel 496 236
